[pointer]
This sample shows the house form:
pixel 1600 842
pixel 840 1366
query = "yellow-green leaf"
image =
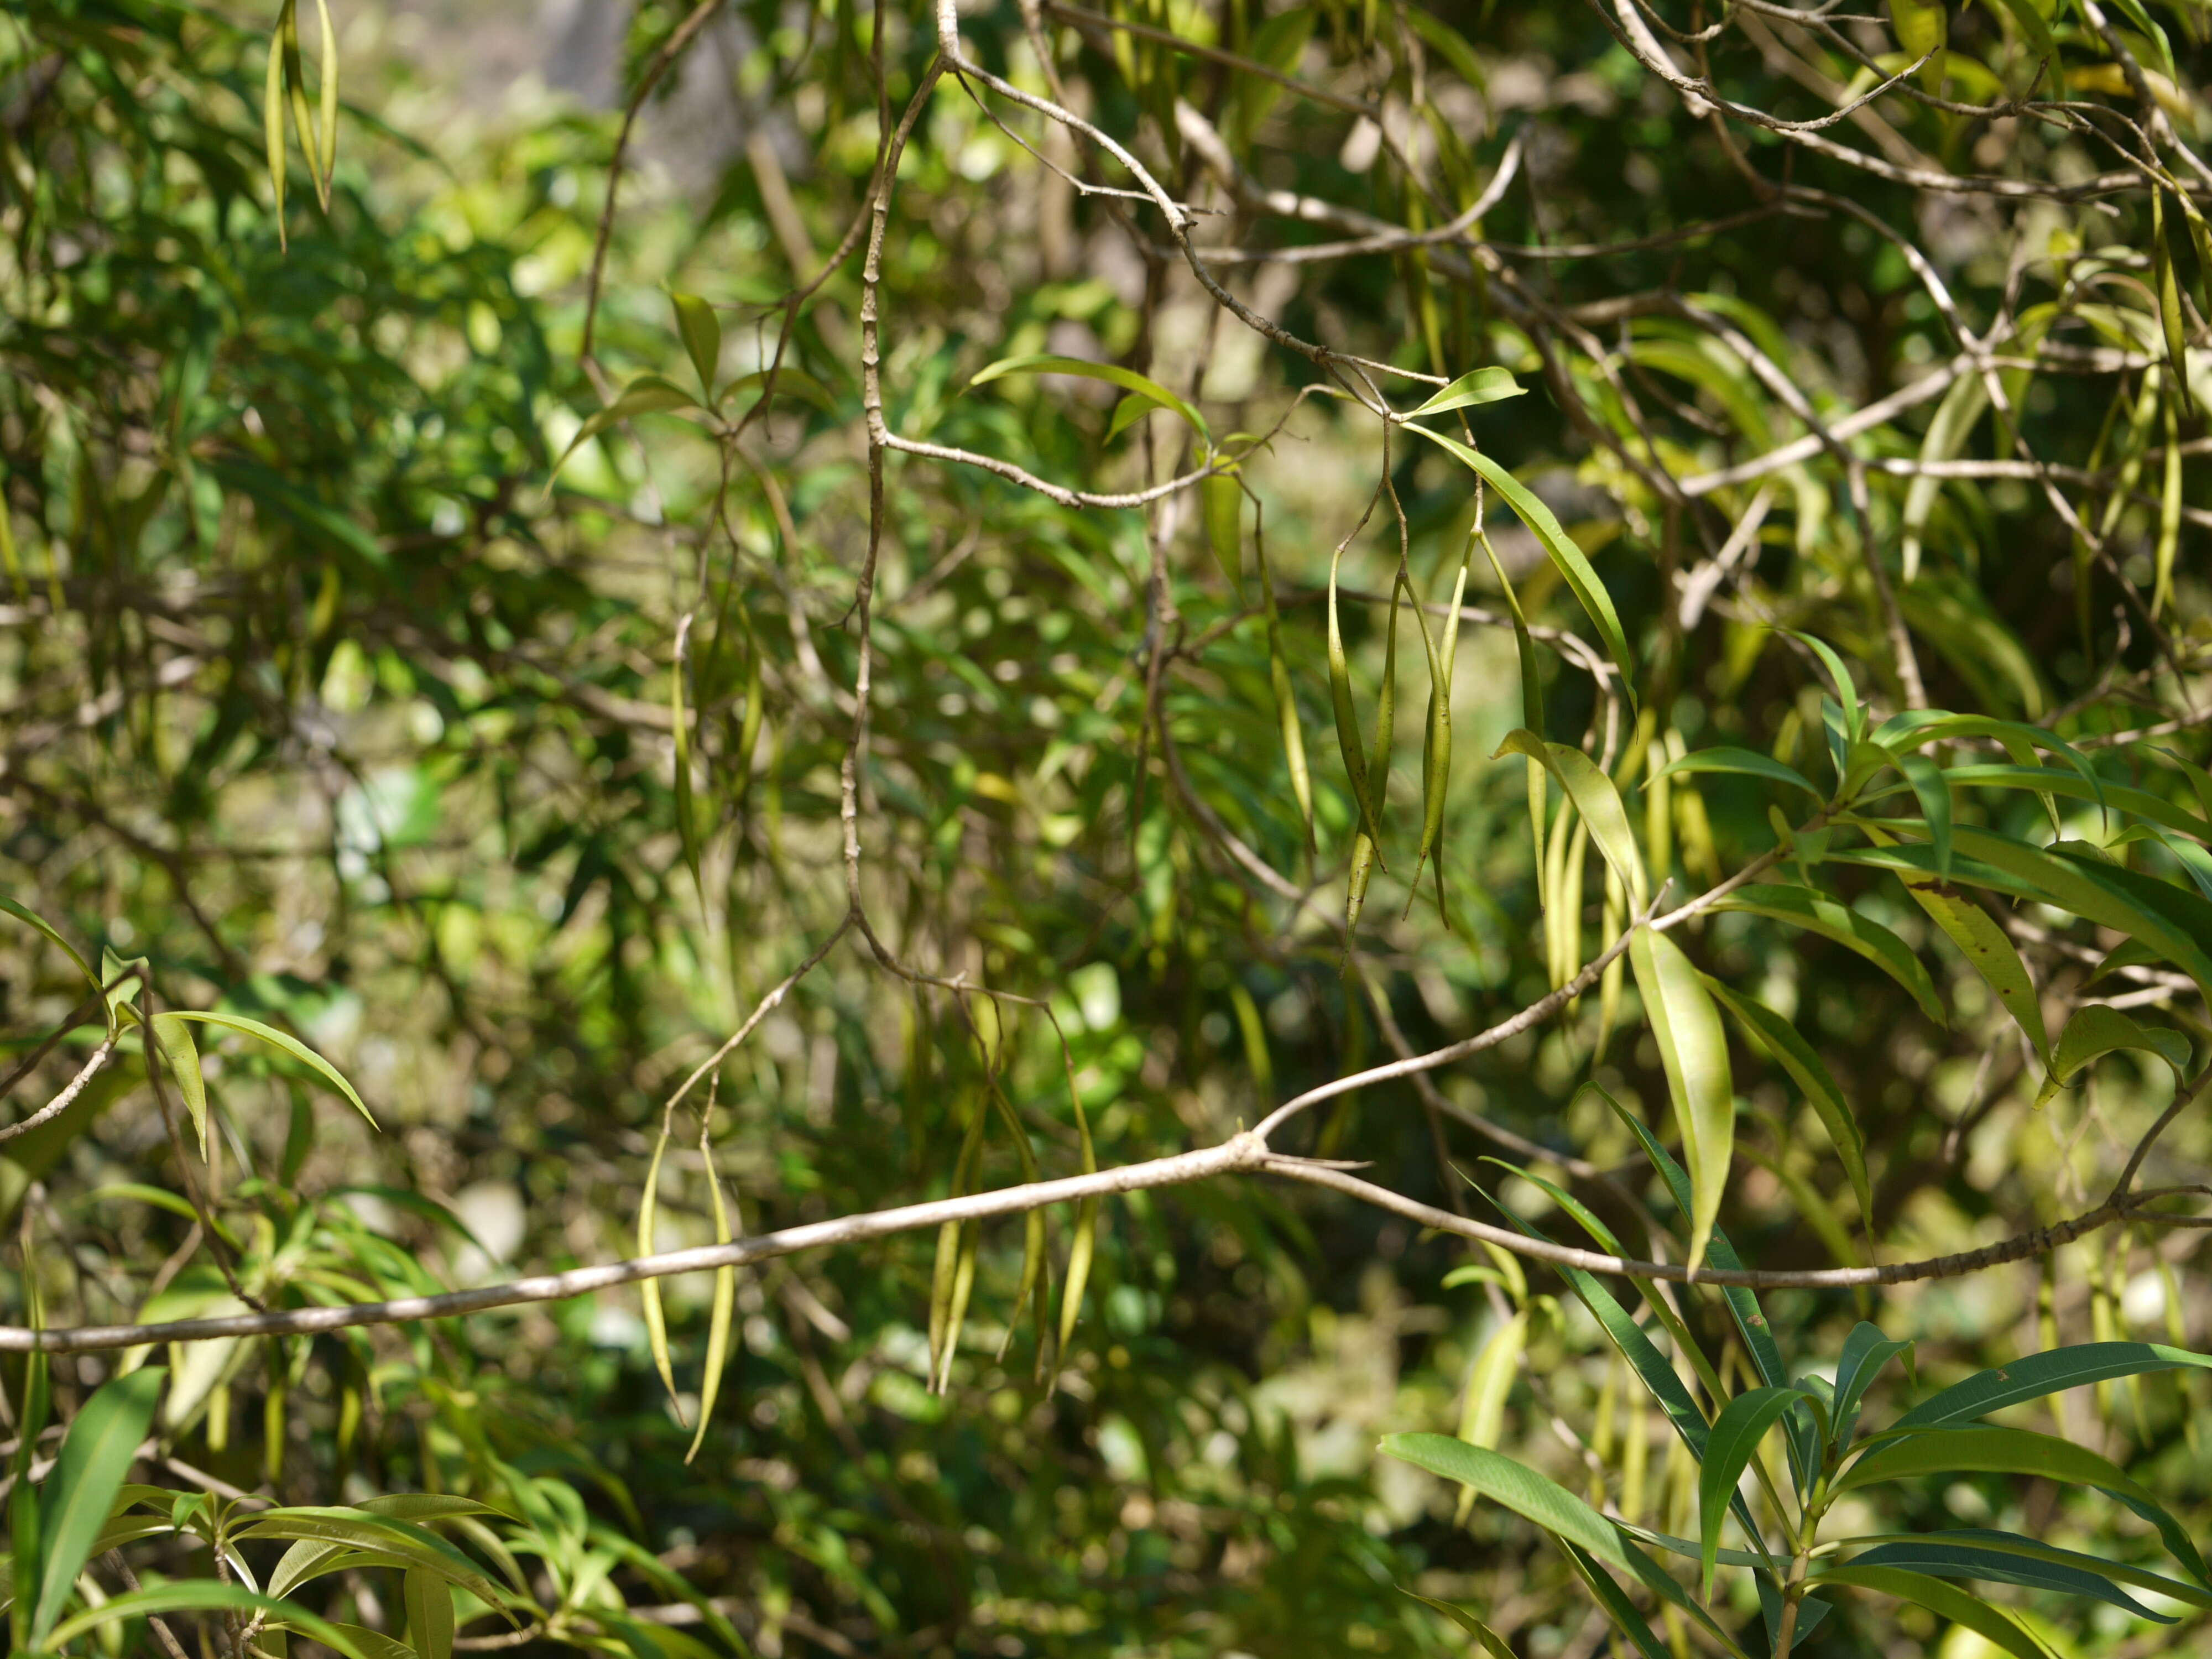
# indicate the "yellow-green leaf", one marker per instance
pixel 1693 1050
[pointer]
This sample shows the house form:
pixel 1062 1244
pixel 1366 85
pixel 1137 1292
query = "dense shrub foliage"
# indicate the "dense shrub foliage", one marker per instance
pixel 1444 656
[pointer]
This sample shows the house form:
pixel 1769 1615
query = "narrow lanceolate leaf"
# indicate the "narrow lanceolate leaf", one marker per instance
pixel 1959 1555
pixel 1744 762
pixel 1127 378
pixel 272 120
pixel 1815 912
pixel 1483 1421
pixel 648 1289
pixel 96 1454
pixel 2047 1373
pixel 1694 1052
pixel 1569 559
pixel 1811 1074
pixel 646 395
pixel 1485 385
pixel 1348 743
pixel 2096 1031
pixel 700 327
pixel 431 1612
pixel 687 827
pixel 1846 692
pixel 1992 954
pixel 205 1595
pixel 282 1044
pixel 1491 1643
pixel 1934 793
pixel 1730 1449
pixel 1496 1477
pixel 1945 1600
pixel 1623 1613
pixel 1597 800
pixel 1988 1544
pixel 173 1039
pixel 718 1321
pixel 32 919
pixel 1981 1449
pixel 1866 1350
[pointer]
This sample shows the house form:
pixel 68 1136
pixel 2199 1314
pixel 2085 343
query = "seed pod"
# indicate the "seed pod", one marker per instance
pixel 2169 300
pixel 2169 507
pixel 1347 717
pixel 648 1213
pixel 1435 749
pixel 944 1326
pixel 725 1293
pixel 1287 703
pixel 1532 702
pixel 1366 850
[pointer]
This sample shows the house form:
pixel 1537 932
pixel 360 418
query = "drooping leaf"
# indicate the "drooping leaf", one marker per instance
pixel 1736 1432
pixel 701 326
pixel 2096 1031
pixel 429 1601
pixel 1957 1555
pixel 1991 954
pixel 1815 912
pixel 1491 1643
pixel 1946 1601
pixel 1572 563
pixel 205 1595
pixel 1694 1052
pixel 648 394
pixel 282 1044
pixel 1595 796
pixel 97 1452
pixel 2050 1372
pixel 1743 763
pixel 1128 380
pixel 1811 1074
pixel 1866 1352
pixel 1496 1477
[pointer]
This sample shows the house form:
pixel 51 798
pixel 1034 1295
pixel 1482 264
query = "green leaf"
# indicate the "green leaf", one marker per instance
pixel 1866 1350
pixel 1959 1555
pixel 1572 564
pixel 2012 1543
pixel 1811 1074
pixel 2096 1031
pixel 173 1037
pixel 416 1545
pixel 1745 762
pixel 1617 1607
pixel 429 1613
pixel 425 1506
pixel 1492 1643
pixel 1736 1432
pixel 96 1453
pixel 205 1595
pixel 1986 1449
pixel 32 919
pixel 1484 385
pixel 1496 1477
pixel 1113 373
pixel 1815 912
pixel 1945 1600
pixel 1483 1422
pixel 702 329
pixel 1934 797
pixel 1221 500
pixel 1693 1050
pixel 1993 956
pixel 1595 796
pixel 646 395
pixel 286 1044
pixel 2047 1373
pixel 1846 692
pixel 2115 797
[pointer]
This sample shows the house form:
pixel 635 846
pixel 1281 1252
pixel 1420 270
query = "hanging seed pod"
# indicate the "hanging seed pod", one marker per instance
pixel 2169 300
pixel 1366 850
pixel 943 1321
pixel 1287 703
pixel 1347 717
pixel 1435 749
pixel 648 1214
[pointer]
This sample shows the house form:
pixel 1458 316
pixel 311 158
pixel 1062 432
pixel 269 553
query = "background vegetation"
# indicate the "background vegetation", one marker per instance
pixel 514 641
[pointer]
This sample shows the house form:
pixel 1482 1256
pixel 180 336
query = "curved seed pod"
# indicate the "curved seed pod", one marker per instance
pixel 1532 698
pixel 687 825
pixel 272 1411
pixel 1608 985
pixel 1079 1255
pixel 749 728
pixel 1033 1258
pixel 945 1274
pixel 1347 718
pixel 1553 883
pixel 725 1295
pixel 2169 299
pixel 1366 851
pixel 656 1324
pixel 956 1314
pixel 1278 676
pixel 1436 751
pixel 273 122
pixel 2169 506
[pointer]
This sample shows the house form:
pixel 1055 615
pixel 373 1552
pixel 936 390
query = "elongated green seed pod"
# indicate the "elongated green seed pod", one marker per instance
pixel 944 1272
pixel 1366 850
pixel 1287 703
pixel 648 1215
pixel 726 1296
pixel 2169 509
pixel 963 1285
pixel 2169 299
pixel 1436 755
pixel 1347 718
